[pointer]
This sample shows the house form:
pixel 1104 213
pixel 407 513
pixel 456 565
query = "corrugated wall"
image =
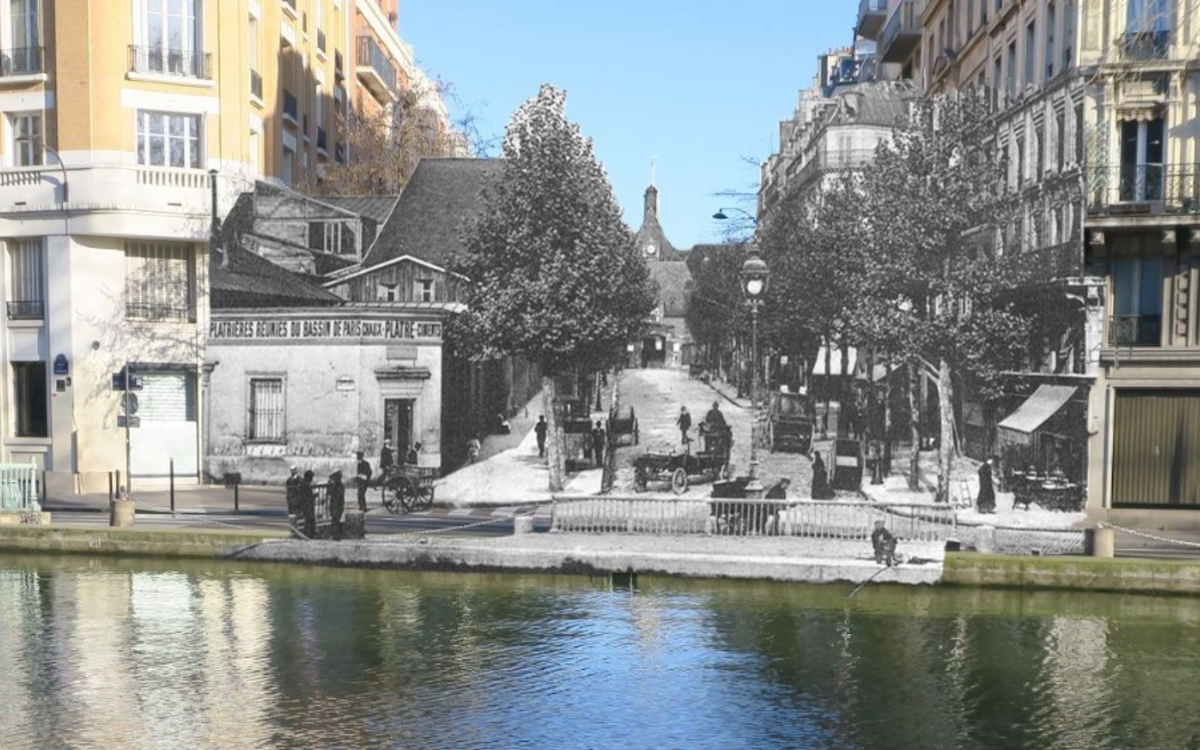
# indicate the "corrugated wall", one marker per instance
pixel 1156 439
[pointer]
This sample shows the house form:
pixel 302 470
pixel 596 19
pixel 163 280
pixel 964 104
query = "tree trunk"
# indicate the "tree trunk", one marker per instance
pixel 554 435
pixel 914 424
pixel 843 392
pixel 946 442
pixel 828 383
pixel 887 414
pixel 609 477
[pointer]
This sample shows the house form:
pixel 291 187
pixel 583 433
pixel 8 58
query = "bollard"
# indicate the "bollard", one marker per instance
pixel 121 510
pixel 1103 542
pixel 110 487
pixel 236 502
pixel 522 524
pixel 171 466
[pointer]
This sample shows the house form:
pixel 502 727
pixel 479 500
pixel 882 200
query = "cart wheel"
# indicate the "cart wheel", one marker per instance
pixel 422 500
pixel 406 493
pixel 679 481
pixel 391 497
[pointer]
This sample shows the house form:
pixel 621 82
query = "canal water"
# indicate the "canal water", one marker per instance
pixel 162 654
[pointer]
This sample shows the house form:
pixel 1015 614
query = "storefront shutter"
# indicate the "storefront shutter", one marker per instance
pixel 166 397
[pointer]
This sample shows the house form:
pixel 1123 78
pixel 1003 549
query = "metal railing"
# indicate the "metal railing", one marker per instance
pixel 370 55
pixel 1144 45
pixel 26 310
pixel 1148 187
pixel 291 107
pixel 1135 330
pixel 159 311
pixel 172 62
pixel 19 488
pixel 256 84
pixel 833 520
pixel 21 61
pixel 828 160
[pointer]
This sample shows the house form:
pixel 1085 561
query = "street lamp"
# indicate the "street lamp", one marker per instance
pixel 720 215
pixel 754 276
pixel 62 166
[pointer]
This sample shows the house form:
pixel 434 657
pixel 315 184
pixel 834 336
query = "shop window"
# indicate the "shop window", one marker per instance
pixel 160 281
pixel 266 410
pixel 29 399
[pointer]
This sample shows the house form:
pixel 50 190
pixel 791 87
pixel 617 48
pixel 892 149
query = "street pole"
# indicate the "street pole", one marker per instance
pixel 754 488
pixel 128 417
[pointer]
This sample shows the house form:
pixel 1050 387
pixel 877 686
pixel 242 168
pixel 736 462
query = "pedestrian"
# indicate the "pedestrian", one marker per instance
pixel 414 455
pixel 293 496
pixel 598 442
pixel 820 479
pixel 884 544
pixel 308 505
pixel 985 502
pixel 337 503
pixel 502 425
pixel 778 490
pixel 684 420
pixel 473 449
pixel 540 430
pixel 387 458
pixel 362 480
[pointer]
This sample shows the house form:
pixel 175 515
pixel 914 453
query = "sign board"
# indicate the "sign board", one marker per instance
pixel 118 381
pixel 132 400
pixel 323 328
pixel 134 422
pixel 61 367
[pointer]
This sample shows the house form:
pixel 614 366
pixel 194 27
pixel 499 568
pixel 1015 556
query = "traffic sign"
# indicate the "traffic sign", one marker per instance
pixel 134 422
pixel 130 402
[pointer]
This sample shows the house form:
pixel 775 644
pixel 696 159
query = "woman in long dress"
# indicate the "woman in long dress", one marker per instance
pixel 820 479
pixel 986 501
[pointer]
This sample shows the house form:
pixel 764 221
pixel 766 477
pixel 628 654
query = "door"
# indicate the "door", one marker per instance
pixel 165 410
pixel 397 424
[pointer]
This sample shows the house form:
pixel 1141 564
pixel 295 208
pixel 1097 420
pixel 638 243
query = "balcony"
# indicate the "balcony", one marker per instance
pixel 374 69
pixel 26 310
pixel 871 16
pixel 256 84
pixel 162 61
pixel 1131 189
pixel 1144 45
pixel 291 108
pixel 165 190
pixel 1135 330
pixel 901 34
pixel 1059 261
pixel 22 61
pixel 830 161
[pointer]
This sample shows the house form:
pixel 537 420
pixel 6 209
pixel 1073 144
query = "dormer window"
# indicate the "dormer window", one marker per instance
pixel 424 290
pixel 389 293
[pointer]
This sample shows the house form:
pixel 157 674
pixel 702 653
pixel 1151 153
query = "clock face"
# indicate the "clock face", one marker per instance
pixel 650 249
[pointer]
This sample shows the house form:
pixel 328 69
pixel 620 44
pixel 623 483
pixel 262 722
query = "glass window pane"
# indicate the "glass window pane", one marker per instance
pixel 1150 287
pixel 1122 280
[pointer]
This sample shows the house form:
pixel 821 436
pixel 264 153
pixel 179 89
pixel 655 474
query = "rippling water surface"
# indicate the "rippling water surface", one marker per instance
pixel 113 654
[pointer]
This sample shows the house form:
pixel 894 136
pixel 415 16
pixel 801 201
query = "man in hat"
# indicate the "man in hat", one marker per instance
pixel 293 495
pixel 363 479
pixel 387 457
pixel 337 503
pixel 684 420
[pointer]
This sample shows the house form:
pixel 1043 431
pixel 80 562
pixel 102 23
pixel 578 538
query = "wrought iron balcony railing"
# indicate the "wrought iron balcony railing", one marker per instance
pixel 1144 45
pixel 21 61
pixel 1143 188
pixel 372 57
pixel 829 160
pixel 159 311
pixel 256 89
pixel 1135 330
pixel 26 310
pixel 171 62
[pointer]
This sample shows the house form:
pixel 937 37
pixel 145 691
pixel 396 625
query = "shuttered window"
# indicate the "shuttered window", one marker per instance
pixel 167 397
pixel 26 282
pixel 1156 438
pixel 160 281
pixel 266 409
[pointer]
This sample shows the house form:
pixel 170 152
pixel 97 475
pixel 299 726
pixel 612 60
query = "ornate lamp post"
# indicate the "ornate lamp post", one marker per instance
pixel 754 275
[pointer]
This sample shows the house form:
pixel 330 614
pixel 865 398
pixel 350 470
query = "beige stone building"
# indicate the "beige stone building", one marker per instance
pixel 122 123
pixel 1142 232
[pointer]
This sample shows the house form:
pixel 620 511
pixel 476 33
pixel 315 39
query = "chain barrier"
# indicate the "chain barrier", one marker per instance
pixel 1145 535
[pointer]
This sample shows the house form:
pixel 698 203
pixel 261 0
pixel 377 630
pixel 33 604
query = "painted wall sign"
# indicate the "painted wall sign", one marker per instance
pixel 308 328
pixel 61 367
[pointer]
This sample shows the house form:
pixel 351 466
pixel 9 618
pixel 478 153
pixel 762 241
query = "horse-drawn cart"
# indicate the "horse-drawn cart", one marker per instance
pixel 408 488
pixel 622 425
pixel 680 469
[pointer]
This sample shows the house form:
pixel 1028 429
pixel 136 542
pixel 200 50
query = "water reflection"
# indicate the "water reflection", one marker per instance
pixel 120 654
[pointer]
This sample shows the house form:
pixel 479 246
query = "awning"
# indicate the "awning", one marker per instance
pixel 835 361
pixel 1039 407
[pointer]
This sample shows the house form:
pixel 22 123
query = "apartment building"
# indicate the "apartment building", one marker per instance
pixel 126 126
pixel 1143 237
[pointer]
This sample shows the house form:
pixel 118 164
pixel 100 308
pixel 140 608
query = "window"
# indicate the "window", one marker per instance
pixel 1147 29
pixel 1137 302
pixel 288 165
pixel 160 281
pixel 266 409
pixel 1050 21
pixel 24 50
pixel 29 399
pixel 1141 176
pixel 1030 41
pixel 1068 35
pixel 1060 138
pixel 26 132
pixel 171 38
pixel 1011 63
pixel 167 139
pixel 425 290
pixel 26 280
pixel 389 292
pixel 252 43
pixel 983 11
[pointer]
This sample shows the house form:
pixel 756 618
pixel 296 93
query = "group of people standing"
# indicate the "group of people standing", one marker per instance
pixel 594 447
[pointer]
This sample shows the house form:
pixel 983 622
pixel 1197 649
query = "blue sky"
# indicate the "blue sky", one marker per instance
pixel 699 84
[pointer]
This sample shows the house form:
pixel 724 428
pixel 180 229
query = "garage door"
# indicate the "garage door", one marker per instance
pixel 167 431
pixel 1156 436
